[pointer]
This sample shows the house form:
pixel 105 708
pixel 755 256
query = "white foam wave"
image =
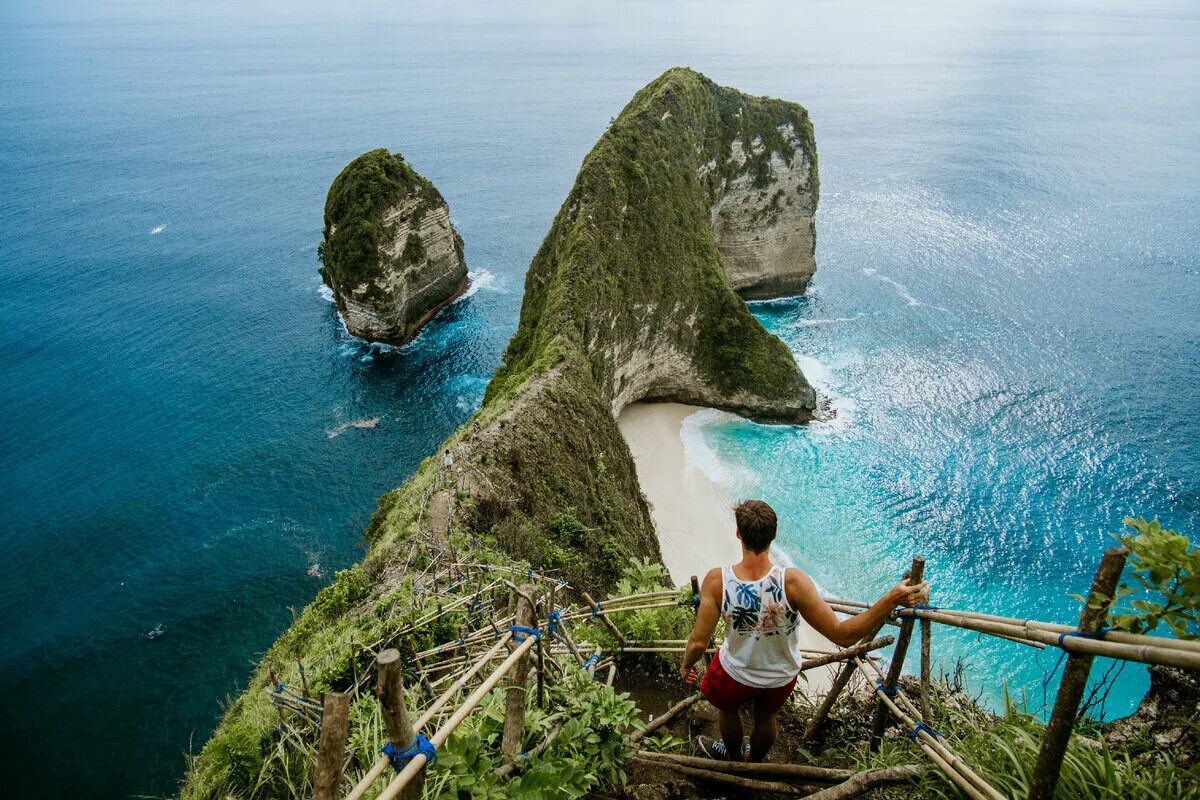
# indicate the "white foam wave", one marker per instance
pixel 900 288
pixel 157 230
pixel 838 411
pixel 809 323
pixel 697 451
pixel 361 424
pixel 476 281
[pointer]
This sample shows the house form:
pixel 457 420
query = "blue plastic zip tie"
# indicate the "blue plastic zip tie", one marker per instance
pixel 921 726
pixel 519 629
pixel 420 746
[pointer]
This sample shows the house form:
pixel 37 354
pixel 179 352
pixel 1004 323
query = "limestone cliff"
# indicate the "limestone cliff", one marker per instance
pixel 627 299
pixel 390 253
pixel 763 217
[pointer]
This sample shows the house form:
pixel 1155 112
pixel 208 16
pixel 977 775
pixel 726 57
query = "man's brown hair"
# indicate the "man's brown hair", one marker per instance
pixel 756 523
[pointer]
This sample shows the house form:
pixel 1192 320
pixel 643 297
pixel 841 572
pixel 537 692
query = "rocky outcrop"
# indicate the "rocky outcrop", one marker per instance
pixel 1165 721
pixel 628 298
pixel 763 220
pixel 390 253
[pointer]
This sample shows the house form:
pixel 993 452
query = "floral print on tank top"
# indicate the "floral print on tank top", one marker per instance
pixel 748 613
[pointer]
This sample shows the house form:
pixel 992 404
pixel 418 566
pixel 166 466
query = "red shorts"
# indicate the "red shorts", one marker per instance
pixel 727 694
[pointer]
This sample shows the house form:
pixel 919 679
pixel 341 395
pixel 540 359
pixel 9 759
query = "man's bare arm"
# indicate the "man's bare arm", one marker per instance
pixel 707 617
pixel 805 598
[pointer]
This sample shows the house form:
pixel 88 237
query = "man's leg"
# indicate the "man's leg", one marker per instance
pixel 731 733
pixel 762 735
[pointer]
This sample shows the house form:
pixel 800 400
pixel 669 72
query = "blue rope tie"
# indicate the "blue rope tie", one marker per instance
pixel 921 726
pixel 1097 634
pixel 891 691
pixel 592 661
pixel 519 629
pixel 420 746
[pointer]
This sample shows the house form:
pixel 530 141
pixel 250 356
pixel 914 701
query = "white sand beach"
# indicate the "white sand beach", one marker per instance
pixel 693 518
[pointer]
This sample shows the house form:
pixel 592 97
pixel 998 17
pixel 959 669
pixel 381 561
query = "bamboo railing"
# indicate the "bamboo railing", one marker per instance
pixel 526 645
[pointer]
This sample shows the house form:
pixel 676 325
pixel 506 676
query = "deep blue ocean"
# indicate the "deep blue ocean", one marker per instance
pixel 1007 311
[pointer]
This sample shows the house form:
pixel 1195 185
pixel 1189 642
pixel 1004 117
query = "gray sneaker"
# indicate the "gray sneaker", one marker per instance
pixel 715 748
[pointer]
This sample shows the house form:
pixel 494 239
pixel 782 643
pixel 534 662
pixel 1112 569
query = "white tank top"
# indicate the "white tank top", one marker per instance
pixel 762 630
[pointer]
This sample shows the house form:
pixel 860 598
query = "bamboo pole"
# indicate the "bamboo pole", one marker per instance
pixel 1115 637
pixel 839 683
pixel 897 662
pixel 1145 654
pixel 926 647
pixel 303 678
pixel 925 738
pixel 863 782
pixel 401 732
pixel 443 733
pixel 663 718
pixel 514 709
pixel 797 771
pixel 596 611
pixel 591 671
pixel 749 784
pixel 1075 676
pixel 331 752
pixel 513 766
pixel 856 650
pixel 570 642
pixel 381 763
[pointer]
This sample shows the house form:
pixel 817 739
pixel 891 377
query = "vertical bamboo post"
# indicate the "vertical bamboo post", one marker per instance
pixel 390 690
pixel 926 646
pixel 303 677
pixel 331 752
pixel 1075 676
pixel 541 667
pixel 275 684
pixel 897 662
pixel 518 678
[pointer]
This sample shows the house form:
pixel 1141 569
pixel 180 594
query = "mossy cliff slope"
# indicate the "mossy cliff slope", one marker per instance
pixel 627 299
pixel 390 253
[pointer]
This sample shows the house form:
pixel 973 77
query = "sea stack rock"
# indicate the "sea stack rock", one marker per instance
pixel 390 253
pixel 764 197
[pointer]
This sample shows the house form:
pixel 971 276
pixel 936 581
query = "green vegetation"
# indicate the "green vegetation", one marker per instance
pixel 631 253
pixel 354 209
pixel 250 757
pixel 1166 572
pixel 1003 751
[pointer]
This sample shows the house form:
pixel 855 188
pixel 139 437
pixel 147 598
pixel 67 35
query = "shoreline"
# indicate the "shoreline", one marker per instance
pixel 692 517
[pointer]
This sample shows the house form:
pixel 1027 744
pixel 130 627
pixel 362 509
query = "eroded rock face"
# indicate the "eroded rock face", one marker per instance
pixel 763 221
pixel 391 255
pixel 1165 720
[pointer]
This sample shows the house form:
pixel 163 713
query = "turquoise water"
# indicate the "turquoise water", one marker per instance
pixel 1025 173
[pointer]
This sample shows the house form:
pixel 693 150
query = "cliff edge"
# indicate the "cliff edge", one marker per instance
pixel 627 299
pixel 390 253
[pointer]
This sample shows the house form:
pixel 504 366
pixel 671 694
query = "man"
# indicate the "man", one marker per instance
pixel 759 660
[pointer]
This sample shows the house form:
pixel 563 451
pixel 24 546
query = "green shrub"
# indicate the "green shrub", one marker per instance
pixel 1166 572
